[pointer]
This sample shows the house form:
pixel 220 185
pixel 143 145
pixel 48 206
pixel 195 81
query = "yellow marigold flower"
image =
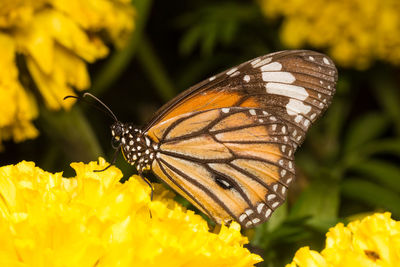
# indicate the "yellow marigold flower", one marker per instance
pixel 356 32
pixel 17 108
pixel 94 220
pixel 373 241
pixel 55 39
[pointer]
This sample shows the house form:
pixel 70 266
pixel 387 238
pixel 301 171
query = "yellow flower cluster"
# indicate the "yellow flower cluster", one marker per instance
pixel 93 220
pixel 356 32
pixel 51 40
pixel 373 241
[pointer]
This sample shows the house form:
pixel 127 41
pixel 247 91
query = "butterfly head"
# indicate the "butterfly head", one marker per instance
pixel 135 145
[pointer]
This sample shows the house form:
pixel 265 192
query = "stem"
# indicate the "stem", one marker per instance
pixel 155 70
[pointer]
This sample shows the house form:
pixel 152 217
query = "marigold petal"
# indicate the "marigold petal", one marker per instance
pixel 17 107
pixel 355 33
pixel 372 241
pixel 93 219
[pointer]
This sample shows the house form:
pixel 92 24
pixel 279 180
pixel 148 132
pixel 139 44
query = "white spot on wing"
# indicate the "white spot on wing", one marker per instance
pixel 295 107
pixel 242 217
pixel 225 110
pixel 235 74
pixel 326 61
pixel 255 61
pixel 246 78
pixel 249 212
pixel 252 112
pixel 278 76
pixel 292 91
pixel 231 71
pixel 275 204
pixel 268 213
pixel 313 116
pixel 274 66
pixel 260 207
pixel 258 62
pixel 271 196
pixel 212 78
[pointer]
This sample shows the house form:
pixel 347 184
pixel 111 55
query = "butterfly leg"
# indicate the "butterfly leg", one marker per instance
pixel 148 183
pixel 114 159
pixel 151 188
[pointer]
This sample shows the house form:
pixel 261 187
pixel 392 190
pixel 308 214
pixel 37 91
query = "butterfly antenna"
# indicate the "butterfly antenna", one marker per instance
pixel 104 105
pixel 107 109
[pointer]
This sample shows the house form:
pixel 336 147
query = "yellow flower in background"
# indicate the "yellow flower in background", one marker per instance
pixel 356 32
pixel 50 42
pixel 372 241
pixel 93 220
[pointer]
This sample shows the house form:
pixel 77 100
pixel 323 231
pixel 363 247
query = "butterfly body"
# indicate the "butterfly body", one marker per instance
pixel 228 143
pixel 137 147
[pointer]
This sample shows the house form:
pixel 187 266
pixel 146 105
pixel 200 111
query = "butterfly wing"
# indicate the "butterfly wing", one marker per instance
pixel 295 85
pixel 232 163
pixel 227 143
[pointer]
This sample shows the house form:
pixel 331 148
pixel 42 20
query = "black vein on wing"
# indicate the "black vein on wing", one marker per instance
pixel 255 178
pixel 233 182
pixel 223 160
pixel 181 188
pixel 201 187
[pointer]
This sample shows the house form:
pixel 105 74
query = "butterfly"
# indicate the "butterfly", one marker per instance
pixel 227 144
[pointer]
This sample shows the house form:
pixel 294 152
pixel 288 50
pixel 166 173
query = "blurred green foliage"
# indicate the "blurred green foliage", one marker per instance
pixel 348 166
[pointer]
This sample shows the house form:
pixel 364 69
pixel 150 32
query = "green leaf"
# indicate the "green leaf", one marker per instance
pixel 288 231
pixel 211 25
pixel 278 217
pixel 371 194
pixel 387 92
pixel 386 146
pixel 381 171
pixel 320 201
pixel 365 129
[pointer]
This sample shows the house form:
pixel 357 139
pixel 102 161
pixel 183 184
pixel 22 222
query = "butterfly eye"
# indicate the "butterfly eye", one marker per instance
pixel 116 142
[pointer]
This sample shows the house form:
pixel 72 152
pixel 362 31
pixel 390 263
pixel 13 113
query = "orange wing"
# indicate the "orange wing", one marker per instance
pixel 227 143
pixel 231 163
pixel 294 85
